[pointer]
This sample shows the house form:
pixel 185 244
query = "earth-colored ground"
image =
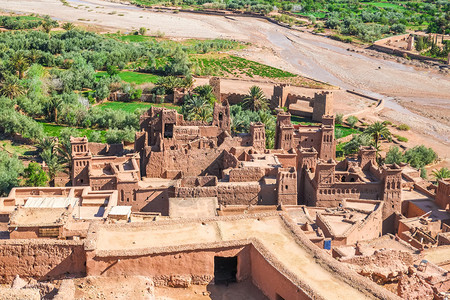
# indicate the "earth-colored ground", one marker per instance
pixel 235 291
pixel 417 97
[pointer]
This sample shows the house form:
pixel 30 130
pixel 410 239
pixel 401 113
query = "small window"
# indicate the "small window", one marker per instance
pixel 286 187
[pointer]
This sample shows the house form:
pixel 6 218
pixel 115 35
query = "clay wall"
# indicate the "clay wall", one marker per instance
pixel 369 228
pixel 29 232
pixel 307 139
pixel 232 98
pixel 127 192
pixel 105 149
pixel 271 281
pixel 246 174
pixel 199 181
pixel 191 266
pixel 443 194
pixel 40 259
pixel 103 183
pixel 192 162
pixel 287 160
pixel 233 194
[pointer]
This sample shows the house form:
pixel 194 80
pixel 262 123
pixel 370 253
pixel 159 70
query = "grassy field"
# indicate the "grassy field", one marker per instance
pixel 132 106
pixel 346 130
pixel 55 130
pixel 229 65
pixel 302 121
pixel 133 77
pixel 14 148
pixel 385 5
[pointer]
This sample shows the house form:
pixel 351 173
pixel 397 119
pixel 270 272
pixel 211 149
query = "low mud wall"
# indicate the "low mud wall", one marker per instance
pixel 271 281
pixel 178 268
pixel 40 259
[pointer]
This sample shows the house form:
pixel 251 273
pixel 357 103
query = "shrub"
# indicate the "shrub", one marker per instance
pixel 401 138
pixel 420 156
pixel 394 155
pixel 352 120
pixel 338 133
pixel 339 118
pixel 423 173
pixel 356 142
pixel 142 30
pixel 387 123
pixel 10 170
pixel 403 127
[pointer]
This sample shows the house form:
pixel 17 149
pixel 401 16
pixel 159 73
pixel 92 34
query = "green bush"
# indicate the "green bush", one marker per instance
pixel 394 155
pixel 420 156
pixel 403 127
pixel 400 138
pixel 338 133
pixel 339 118
pixel 352 120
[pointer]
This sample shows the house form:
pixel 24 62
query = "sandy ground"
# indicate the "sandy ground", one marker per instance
pixel 270 231
pixel 235 291
pixel 132 287
pixel 419 98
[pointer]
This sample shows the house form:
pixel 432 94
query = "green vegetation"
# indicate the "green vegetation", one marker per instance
pixel 255 99
pixel 403 127
pixel 442 173
pixel 22 22
pixel 346 131
pixel 378 131
pixel 132 77
pixel 302 121
pixel 417 157
pixel 131 107
pixel 401 138
pixel 352 120
pixel 428 46
pixel 54 130
pixel 226 65
pixel 35 175
pixel 10 169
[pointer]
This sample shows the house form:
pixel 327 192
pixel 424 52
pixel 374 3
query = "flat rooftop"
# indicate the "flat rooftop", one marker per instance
pixel 38 216
pixel 271 231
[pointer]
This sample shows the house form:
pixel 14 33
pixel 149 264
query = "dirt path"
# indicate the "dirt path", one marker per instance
pixel 425 92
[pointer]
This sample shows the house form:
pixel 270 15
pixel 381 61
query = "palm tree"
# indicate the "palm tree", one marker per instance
pixel 19 63
pixel 206 92
pixel 53 105
pixel 33 55
pixel 197 108
pixel 48 24
pixel 11 87
pixel 47 143
pixel 55 156
pixel 53 163
pixel 255 100
pixel 378 131
pixel 442 173
pixel 68 26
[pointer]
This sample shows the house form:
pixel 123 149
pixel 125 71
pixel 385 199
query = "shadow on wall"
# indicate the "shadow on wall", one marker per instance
pixel 244 290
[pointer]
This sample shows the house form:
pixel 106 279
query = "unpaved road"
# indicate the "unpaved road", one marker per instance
pixel 425 92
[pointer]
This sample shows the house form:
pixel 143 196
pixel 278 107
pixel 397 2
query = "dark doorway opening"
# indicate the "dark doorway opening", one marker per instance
pixel 225 269
pixel 168 130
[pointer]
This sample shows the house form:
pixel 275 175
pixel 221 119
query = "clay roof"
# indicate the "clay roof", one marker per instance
pixel 31 217
pixel 51 202
pixel 277 238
